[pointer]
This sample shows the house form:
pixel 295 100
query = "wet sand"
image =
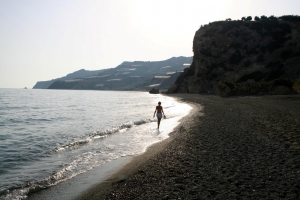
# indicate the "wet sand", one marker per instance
pixel 235 148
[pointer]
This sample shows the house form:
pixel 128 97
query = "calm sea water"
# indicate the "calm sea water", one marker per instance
pixel 50 136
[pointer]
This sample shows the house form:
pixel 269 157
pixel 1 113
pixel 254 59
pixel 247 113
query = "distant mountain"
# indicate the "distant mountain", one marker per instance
pixel 137 75
pixel 244 57
pixel 77 74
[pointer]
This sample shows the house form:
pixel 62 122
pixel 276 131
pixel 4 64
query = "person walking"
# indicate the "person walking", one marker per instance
pixel 159 113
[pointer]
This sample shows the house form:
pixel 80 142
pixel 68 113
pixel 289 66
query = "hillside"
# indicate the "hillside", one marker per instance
pixel 137 75
pixel 77 74
pixel 244 57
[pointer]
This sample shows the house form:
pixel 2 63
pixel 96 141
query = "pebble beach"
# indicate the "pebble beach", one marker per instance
pixel 227 148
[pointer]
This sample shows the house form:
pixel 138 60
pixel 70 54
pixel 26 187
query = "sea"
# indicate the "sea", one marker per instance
pixel 48 137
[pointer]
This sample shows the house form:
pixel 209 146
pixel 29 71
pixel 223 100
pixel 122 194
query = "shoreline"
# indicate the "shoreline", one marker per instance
pixel 103 188
pixel 241 147
pixel 78 185
pixel 73 187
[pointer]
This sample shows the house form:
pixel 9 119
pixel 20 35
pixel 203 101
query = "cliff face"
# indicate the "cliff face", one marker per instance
pixel 244 57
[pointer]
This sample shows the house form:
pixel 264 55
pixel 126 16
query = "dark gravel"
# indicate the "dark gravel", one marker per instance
pixel 241 148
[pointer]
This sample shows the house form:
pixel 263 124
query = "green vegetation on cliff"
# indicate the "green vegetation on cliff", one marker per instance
pixel 244 57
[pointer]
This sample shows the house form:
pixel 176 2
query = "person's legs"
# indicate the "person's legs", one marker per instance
pixel 158 122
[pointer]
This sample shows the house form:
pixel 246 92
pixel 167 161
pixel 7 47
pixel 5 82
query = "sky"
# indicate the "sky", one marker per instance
pixel 46 39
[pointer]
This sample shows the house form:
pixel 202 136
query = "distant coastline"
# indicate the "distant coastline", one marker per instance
pixel 128 76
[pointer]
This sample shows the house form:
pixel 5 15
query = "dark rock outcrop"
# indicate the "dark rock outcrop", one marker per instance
pixel 244 58
pixel 154 91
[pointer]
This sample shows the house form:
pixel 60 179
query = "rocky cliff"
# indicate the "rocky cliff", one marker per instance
pixel 244 57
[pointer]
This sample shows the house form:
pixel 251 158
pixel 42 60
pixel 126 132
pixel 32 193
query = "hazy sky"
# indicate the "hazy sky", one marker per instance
pixel 45 39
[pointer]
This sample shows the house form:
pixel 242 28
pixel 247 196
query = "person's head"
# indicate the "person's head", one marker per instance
pixel 159 103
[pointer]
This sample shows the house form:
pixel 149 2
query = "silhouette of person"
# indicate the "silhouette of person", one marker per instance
pixel 159 113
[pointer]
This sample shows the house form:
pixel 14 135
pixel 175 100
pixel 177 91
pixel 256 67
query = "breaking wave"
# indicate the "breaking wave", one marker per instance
pixel 102 134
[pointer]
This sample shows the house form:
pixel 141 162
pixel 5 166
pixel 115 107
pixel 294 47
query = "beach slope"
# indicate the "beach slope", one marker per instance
pixel 235 148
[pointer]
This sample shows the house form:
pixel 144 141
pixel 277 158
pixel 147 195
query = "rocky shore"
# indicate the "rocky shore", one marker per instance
pixel 235 148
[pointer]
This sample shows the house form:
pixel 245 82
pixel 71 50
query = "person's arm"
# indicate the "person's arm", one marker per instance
pixel 154 112
pixel 162 110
